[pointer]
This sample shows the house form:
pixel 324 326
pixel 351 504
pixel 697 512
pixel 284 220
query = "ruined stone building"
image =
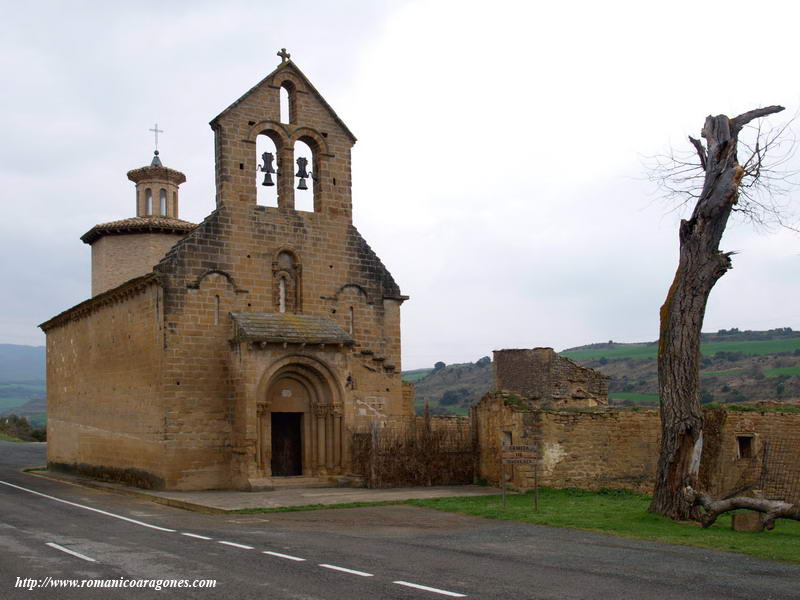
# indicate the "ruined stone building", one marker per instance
pixel 225 354
pixel 547 379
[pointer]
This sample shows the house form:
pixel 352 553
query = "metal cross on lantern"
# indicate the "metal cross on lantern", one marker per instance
pixel 156 131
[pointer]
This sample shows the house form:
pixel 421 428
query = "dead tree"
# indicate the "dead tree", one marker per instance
pixel 700 265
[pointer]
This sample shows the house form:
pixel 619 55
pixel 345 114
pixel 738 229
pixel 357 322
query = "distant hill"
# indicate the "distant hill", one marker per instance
pixel 736 366
pixel 21 363
pixel 773 341
pixel 22 376
pixel 34 410
pixel 451 389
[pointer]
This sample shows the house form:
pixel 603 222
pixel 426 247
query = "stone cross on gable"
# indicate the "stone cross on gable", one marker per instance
pixel 284 55
pixel 156 130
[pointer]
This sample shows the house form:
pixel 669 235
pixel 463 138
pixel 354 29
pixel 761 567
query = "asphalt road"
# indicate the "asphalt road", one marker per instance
pixel 65 532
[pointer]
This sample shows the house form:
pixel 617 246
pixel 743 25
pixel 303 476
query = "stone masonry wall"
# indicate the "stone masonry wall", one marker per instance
pixel 228 264
pixel 103 407
pixel 728 469
pixel 618 448
pixel 590 449
pixel 548 379
pixel 119 258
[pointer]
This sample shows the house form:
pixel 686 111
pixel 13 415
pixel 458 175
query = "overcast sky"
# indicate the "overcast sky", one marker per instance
pixel 498 170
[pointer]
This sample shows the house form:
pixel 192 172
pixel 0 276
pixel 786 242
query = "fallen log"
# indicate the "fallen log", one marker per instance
pixel 769 509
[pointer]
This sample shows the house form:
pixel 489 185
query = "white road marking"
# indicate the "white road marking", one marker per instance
pixel 235 545
pixel 97 510
pixel 287 556
pixel 351 571
pixel 68 551
pixel 430 589
pixel 194 535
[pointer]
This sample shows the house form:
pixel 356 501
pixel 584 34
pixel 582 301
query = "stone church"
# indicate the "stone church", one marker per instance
pixel 243 349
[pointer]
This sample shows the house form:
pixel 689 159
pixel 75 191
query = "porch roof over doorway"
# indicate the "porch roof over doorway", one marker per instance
pixel 288 328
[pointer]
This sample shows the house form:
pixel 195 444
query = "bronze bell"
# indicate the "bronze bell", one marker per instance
pixel 302 185
pixel 267 179
pixel 302 163
pixel 267 166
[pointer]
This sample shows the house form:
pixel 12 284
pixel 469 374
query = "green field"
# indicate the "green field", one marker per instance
pixel 37 420
pixel 416 375
pixel 638 398
pixel 795 370
pixel 461 411
pixel 6 403
pixel 709 349
pixel 716 373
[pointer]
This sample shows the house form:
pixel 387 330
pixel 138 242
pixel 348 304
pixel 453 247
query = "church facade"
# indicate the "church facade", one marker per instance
pixel 243 349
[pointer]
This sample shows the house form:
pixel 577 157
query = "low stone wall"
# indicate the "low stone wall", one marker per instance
pixel 595 448
pixel 588 448
pixel 752 444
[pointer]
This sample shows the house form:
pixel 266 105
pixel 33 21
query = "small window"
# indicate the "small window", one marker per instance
pixel 148 202
pixel 162 202
pixel 282 295
pixel 507 438
pixel 285 105
pixel 744 444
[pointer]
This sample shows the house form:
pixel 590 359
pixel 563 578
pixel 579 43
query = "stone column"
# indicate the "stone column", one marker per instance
pixel 320 414
pixel 286 177
pixel 337 438
pixel 329 440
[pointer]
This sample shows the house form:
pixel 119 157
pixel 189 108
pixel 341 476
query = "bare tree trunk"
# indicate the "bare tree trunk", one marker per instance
pixel 700 265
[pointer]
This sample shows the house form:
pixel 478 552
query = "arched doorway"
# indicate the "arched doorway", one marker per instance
pixel 299 423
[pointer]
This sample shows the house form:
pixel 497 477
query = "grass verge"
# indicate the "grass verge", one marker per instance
pixel 613 512
pixel 623 513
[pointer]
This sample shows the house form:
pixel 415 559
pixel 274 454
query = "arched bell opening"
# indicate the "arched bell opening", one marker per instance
pixel 266 170
pixel 305 177
pixel 299 423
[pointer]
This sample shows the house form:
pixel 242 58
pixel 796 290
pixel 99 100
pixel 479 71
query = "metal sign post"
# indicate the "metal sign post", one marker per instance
pixel 521 455
pixel 503 477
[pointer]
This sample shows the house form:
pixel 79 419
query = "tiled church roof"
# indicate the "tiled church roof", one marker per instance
pixel 137 225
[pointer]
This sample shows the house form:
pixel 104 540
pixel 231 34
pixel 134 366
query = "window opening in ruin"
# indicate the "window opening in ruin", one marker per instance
pixel 216 310
pixel 162 202
pixel 745 446
pixel 148 202
pixel 352 325
pixel 507 438
pixel 266 183
pixel 282 295
pixel 286 105
pixel 305 187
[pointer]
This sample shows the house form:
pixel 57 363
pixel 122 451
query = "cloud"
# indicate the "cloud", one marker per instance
pixel 498 171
